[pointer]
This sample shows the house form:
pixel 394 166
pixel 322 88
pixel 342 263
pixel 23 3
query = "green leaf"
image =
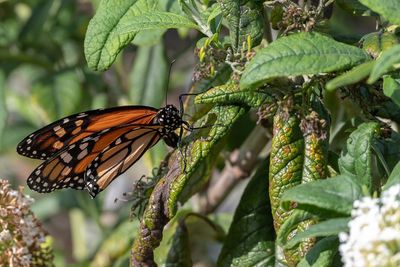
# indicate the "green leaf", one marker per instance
pixel 290 225
pixel 155 20
pixel 354 7
pixel 356 158
pixel 250 240
pixel 200 155
pixel 389 9
pixel 3 107
pixel 179 252
pixel 198 13
pixel 335 194
pixel 287 158
pixel 322 254
pixel 391 88
pixel 300 54
pixel 102 40
pixel 116 245
pixel 385 62
pixel 390 149
pixel 325 228
pixel 394 177
pixel 228 94
pixel 201 231
pixel 353 76
pixel 245 19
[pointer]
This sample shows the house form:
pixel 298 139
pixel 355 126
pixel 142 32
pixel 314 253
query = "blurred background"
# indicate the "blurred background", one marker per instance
pixel 44 76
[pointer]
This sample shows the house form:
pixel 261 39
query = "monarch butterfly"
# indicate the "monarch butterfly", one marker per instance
pixel 89 150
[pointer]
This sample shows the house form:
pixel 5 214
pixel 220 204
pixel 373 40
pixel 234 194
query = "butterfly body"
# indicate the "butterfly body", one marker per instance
pixel 89 150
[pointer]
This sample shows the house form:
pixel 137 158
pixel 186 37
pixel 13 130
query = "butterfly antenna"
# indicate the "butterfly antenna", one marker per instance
pixel 169 76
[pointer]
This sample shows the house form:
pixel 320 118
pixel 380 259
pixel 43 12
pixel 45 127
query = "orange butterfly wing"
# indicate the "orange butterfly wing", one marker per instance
pixel 124 145
pixel 57 136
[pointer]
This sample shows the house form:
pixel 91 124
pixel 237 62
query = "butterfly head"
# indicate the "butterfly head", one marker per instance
pixel 169 117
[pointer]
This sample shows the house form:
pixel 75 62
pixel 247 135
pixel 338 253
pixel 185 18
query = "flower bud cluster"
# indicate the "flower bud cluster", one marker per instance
pixel 22 238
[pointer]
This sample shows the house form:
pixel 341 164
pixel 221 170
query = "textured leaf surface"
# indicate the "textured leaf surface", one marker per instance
pixel 286 163
pixel 322 254
pixel 353 76
pixel 250 240
pixel 385 63
pixel 155 20
pixel 102 43
pixel 325 228
pixel 356 159
pixel 300 54
pixel 389 9
pixel 244 19
pixel 230 94
pixel 335 194
pixel 199 156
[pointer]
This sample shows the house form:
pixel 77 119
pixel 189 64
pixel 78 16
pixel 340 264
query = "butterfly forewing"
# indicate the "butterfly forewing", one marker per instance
pixel 118 157
pixel 46 142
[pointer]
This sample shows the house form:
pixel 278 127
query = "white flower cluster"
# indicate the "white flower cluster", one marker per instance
pixel 374 232
pixel 22 238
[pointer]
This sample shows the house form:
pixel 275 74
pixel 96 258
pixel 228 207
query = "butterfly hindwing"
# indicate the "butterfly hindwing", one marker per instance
pixel 119 156
pixel 46 142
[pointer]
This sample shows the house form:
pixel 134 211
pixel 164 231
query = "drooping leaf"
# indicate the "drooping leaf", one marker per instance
pixel 322 254
pixel 356 159
pixel 245 20
pixel 391 88
pixel 179 252
pixel 187 233
pixel 329 197
pixel 250 238
pixel 384 63
pixel 286 163
pixel 300 54
pixel 390 149
pixel 353 76
pixel 389 9
pixel 102 42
